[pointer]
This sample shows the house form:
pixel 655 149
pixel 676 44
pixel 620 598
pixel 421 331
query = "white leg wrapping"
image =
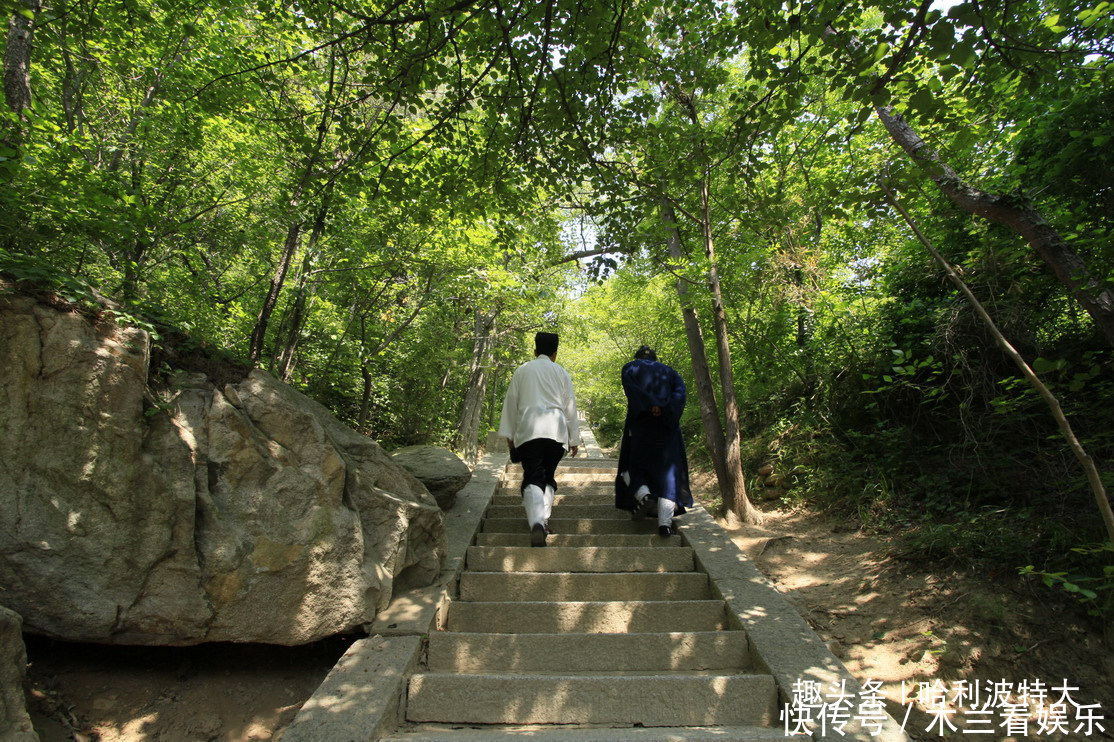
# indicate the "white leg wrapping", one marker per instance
pixel 666 509
pixel 643 505
pixel 549 496
pixel 533 499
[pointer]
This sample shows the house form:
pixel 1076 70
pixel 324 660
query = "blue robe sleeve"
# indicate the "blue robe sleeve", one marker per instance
pixel 676 404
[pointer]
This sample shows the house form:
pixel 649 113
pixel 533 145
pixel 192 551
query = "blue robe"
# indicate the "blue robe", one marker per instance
pixel 652 451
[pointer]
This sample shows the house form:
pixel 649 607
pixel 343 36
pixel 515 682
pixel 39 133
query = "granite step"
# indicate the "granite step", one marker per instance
pixel 663 699
pixel 600 617
pixel 580 559
pixel 514 499
pixel 601 511
pixel 568 653
pixel 565 733
pixel 650 539
pixel 581 587
pixel 573 525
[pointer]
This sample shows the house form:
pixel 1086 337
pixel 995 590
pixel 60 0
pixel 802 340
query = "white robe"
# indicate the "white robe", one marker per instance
pixel 540 404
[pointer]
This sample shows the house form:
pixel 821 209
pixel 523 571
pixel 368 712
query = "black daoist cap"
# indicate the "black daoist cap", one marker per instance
pixel 545 343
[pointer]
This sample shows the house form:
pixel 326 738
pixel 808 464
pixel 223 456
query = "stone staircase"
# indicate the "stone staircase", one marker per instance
pixel 610 632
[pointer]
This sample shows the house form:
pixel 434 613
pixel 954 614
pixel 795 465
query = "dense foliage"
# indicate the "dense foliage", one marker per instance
pixel 381 202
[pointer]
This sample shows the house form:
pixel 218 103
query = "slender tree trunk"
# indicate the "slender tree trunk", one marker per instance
pixel 17 56
pixel 365 397
pixel 493 398
pixel 71 91
pixel 309 171
pixel 468 425
pixel 1014 214
pixel 705 387
pixel 736 482
pixel 133 271
pixel 284 357
pixel 1094 478
pixel 369 354
pixel 259 332
pixel 290 327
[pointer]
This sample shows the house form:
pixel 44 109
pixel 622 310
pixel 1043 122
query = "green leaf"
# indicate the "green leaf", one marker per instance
pixel 1044 366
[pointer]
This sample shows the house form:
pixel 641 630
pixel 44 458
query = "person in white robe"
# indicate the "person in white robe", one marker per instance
pixel 540 423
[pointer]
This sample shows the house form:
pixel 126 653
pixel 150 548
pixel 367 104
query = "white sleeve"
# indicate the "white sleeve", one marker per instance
pixel 572 419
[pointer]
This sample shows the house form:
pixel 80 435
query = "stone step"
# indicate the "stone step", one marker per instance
pixel 649 700
pixel 501 587
pixel 599 485
pixel 514 499
pixel 582 460
pixel 572 525
pixel 580 559
pixel 565 478
pixel 536 733
pixel 570 463
pixel 575 653
pixel 573 539
pixel 600 512
pixel 599 617
pixel 604 491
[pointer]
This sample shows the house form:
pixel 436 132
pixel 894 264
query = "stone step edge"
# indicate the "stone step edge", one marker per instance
pixel 556 540
pixel 620 652
pixel 737 698
pixel 572 733
pixel 577 617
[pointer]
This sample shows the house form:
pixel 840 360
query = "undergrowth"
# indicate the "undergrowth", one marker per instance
pixel 988 488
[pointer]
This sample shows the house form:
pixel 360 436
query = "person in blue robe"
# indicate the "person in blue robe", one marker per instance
pixel 653 468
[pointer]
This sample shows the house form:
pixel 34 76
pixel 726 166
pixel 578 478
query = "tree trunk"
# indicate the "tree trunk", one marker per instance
pixel 365 397
pixel 705 387
pixel 468 425
pixel 17 57
pixel 1014 214
pixel 1094 477
pixel 308 173
pixel 259 332
pixel 133 271
pixel 369 353
pixel 736 482
pixel 284 357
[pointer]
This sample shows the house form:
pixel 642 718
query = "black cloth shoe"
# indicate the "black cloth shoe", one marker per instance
pixel 644 507
pixel 666 531
pixel 538 534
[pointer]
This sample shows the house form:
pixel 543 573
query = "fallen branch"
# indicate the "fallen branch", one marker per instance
pixel 1093 476
pixel 1030 649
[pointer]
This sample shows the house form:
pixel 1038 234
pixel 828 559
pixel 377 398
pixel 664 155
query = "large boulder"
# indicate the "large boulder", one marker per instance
pixel 439 469
pixel 15 724
pixel 188 511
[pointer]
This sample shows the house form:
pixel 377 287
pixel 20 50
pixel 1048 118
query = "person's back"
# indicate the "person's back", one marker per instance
pixel 539 404
pixel 539 421
pixel 653 467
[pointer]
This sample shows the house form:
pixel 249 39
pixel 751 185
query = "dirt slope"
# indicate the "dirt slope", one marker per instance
pixel 898 621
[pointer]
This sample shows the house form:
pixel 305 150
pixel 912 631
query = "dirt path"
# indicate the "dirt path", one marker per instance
pixel 889 619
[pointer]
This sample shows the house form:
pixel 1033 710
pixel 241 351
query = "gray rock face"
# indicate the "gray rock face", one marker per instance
pixel 15 724
pixel 246 513
pixel 439 469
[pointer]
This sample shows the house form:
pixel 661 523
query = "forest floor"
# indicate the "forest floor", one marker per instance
pixel 888 618
pixel 904 623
